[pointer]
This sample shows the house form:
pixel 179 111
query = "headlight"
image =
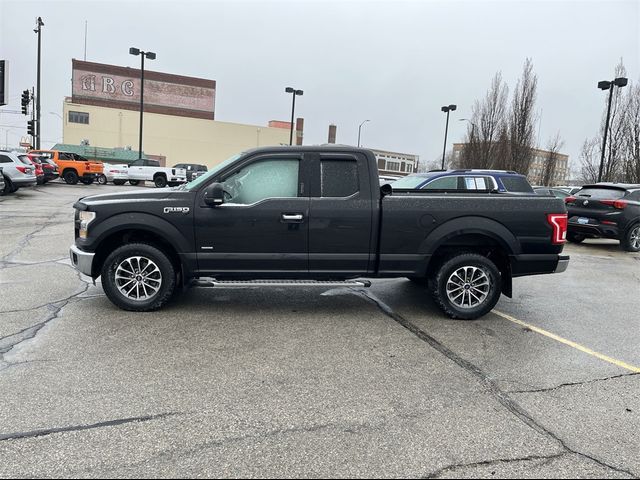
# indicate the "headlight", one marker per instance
pixel 86 218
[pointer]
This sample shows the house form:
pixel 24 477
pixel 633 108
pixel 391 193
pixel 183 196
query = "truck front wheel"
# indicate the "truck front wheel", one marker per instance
pixel 138 277
pixel 467 286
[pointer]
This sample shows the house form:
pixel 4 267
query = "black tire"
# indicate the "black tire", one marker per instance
pixel 119 182
pixel 631 240
pixel 8 187
pixel 575 237
pixel 134 182
pixel 102 180
pixel 87 181
pixel 111 286
pixel 446 275
pixel 160 181
pixel 70 177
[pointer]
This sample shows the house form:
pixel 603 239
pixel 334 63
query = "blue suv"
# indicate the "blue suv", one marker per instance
pixel 504 181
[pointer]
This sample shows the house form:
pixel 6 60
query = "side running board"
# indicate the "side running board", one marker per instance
pixel 212 282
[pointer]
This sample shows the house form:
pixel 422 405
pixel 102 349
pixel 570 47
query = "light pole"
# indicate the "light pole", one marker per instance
pixel 360 128
pixel 446 109
pixel 293 108
pixel 605 85
pixel 150 56
pixel 38 31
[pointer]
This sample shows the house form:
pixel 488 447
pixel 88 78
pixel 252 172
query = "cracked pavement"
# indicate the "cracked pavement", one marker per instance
pixel 276 382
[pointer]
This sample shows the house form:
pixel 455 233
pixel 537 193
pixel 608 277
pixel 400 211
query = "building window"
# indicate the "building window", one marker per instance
pixel 394 166
pixel 79 117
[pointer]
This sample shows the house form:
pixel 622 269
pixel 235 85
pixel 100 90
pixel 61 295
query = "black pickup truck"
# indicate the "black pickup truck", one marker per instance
pixel 306 215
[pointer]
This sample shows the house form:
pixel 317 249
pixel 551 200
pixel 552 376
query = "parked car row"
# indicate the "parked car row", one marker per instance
pixel 41 166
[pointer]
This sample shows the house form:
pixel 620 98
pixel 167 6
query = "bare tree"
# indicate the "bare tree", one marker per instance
pixel 590 161
pixel 549 168
pixel 631 142
pixel 487 120
pixel 521 122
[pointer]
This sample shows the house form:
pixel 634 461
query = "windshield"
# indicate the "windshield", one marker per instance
pixel 194 184
pixel 410 182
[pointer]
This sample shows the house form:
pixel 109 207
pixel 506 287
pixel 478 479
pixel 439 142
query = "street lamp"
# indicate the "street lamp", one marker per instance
pixel 359 128
pixel 38 31
pixel 143 55
pixel 446 109
pixel 605 85
pixel 293 108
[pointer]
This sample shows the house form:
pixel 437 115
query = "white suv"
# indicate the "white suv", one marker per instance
pixel 17 170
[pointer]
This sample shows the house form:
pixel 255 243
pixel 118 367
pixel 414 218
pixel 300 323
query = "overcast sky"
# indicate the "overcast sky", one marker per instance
pixel 395 63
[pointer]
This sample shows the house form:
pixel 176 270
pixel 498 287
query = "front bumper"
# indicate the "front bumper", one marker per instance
pixel 82 261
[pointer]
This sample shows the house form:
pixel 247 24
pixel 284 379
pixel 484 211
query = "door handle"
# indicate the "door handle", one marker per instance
pixel 292 217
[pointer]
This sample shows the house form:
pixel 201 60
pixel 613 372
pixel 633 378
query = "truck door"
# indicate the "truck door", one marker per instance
pixel 263 226
pixel 340 219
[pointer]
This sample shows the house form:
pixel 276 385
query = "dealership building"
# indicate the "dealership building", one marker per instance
pixel 179 116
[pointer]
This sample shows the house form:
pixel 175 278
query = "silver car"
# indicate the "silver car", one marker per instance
pixel 17 170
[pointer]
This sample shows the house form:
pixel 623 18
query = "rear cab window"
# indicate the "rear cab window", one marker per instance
pixel 339 178
pixel 516 184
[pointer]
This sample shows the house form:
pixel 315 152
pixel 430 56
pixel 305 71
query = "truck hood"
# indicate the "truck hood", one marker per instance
pixel 132 197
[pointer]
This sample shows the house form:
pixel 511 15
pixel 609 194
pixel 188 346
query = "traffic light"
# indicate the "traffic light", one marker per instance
pixel 31 130
pixel 25 101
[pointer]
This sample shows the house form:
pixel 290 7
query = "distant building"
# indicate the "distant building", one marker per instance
pixel 395 163
pixel 536 170
pixel 180 123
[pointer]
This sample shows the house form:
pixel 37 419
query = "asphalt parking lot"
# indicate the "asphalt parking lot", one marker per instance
pixel 276 382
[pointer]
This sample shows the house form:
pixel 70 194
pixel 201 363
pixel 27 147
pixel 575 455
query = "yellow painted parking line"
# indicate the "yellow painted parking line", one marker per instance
pixel 575 345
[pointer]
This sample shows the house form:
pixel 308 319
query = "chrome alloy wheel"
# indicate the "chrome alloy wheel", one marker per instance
pixel 138 278
pixel 634 238
pixel 468 287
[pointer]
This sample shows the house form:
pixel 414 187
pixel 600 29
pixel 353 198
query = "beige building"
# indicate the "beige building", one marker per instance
pixel 536 170
pixel 179 139
pixel 179 112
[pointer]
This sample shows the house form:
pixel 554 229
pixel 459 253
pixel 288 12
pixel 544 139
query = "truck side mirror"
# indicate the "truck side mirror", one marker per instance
pixel 214 195
pixel 386 189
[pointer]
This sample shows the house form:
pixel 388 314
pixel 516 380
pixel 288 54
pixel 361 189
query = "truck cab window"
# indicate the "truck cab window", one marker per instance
pixel 339 178
pixel 261 180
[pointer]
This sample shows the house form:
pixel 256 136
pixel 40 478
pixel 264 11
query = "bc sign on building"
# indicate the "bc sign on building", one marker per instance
pixel 119 87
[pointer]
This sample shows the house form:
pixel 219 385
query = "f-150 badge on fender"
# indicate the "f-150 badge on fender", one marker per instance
pixel 176 209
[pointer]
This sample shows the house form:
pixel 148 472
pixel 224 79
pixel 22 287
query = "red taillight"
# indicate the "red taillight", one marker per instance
pixel 619 204
pixel 558 222
pixel 569 199
pixel 22 169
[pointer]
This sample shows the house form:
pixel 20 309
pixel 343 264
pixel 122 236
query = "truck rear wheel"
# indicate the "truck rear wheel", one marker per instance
pixel 160 181
pixel 70 176
pixel 467 286
pixel 138 277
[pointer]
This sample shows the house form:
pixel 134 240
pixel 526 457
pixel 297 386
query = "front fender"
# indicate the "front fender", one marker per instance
pixel 164 229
